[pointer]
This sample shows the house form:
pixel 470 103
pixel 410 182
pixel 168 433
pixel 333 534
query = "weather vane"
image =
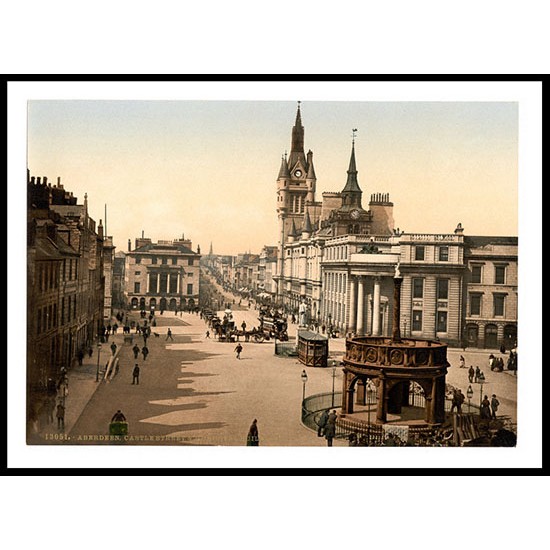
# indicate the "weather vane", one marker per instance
pixel 353 134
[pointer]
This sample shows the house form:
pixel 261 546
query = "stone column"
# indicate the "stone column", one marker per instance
pixel 158 282
pixel 360 306
pixel 381 416
pixel 148 281
pixel 352 294
pixel 376 308
pixel 396 332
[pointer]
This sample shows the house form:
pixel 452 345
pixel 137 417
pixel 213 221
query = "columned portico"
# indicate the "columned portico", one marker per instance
pixel 352 311
pixel 376 308
pixel 360 306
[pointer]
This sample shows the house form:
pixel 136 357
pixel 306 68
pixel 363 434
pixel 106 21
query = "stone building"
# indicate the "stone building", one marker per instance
pixel 65 282
pixel 490 292
pixel 162 276
pixel 118 281
pixel 339 259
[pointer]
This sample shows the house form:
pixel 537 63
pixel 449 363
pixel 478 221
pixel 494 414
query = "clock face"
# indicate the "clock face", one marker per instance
pixel 298 173
pixel 355 214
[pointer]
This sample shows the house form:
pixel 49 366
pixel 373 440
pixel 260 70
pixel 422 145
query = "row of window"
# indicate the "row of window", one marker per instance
pixel 165 259
pixel 440 318
pixel 48 273
pixel 46 318
pixel 442 289
pixel 477 274
pixel 499 301
pixel 163 287
pixel 442 253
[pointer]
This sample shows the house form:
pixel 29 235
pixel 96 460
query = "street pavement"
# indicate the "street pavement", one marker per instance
pixel 194 391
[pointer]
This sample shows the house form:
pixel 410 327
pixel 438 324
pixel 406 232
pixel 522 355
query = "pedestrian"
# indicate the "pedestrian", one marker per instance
pixel 322 422
pixel 208 334
pixel 485 409
pixel 330 428
pixel 494 406
pixel 113 348
pixel 169 335
pixel 118 417
pixel 462 362
pixel 80 356
pixel 323 328
pixel 135 375
pixel 145 352
pixel 252 439
pixel 135 349
pixel 60 416
pixel 90 351
pixel 243 325
pixel 477 374
pixel 454 402
pixel 460 398
pixel 471 373
pixel 238 349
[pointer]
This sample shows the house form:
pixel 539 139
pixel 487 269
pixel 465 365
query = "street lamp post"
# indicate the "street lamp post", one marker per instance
pixel 334 363
pixel 469 395
pixel 481 380
pixel 304 380
pixel 98 354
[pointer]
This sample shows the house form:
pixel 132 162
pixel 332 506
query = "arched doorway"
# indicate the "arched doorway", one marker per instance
pixel 162 304
pixel 142 303
pixel 472 335
pixel 134 303
pixel 491 336
pixel 182 304
pixel 152 303
pixel 173 304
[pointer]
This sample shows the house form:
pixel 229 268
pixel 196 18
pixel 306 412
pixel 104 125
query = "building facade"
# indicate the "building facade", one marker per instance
pixel 339 259
pixel 162 276
pixel 65 283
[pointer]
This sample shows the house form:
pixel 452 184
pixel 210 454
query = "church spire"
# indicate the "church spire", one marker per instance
pixel 351 194
pixel 297 145
pixel 351 184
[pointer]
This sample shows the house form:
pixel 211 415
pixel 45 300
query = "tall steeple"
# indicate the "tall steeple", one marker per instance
pixel 351 194
pixel 297 145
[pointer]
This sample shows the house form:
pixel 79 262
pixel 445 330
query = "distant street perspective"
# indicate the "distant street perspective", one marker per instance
pixel 346 331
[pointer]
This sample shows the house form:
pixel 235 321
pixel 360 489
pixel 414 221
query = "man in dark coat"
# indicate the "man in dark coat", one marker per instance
pixel 118 417
pixel 60 416
pixel 135 349
pixel 330 428
pixel 135 375
pixel 471 373
pixel 145 352
pixel 322 422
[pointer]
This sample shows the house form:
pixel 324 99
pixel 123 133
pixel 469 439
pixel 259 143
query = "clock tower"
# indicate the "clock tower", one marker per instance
pixel 351 217
pixel 295 188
